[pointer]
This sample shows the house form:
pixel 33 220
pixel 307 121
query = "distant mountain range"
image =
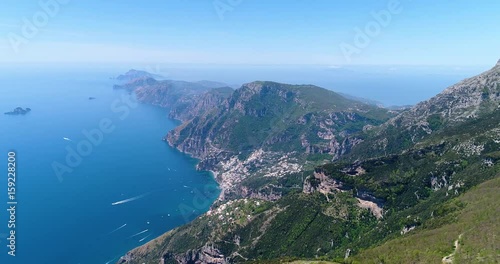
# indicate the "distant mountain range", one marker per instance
pixel 307 173
pixel 136 74
pixel 184 99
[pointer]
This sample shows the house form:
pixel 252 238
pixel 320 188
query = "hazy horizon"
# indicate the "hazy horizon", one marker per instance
pixel 388 85
pixel 250 32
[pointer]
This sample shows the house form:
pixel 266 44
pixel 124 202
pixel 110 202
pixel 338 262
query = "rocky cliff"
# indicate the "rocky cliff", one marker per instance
pixel 184 99
pixel 457 103
pixel 267 141
pixel 469 99
pixel 266 129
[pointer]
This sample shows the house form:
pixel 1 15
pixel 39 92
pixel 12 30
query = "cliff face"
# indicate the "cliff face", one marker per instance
pixel 349 207
pixel 184 99
pixel 457 103
pixel 267 129
pixel 268 141
pixel 206 254
pixel 469 99
pixel 194 106
pixel 275 117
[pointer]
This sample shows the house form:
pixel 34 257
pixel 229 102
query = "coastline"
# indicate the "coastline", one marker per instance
pixel 220 197
pixel 214 173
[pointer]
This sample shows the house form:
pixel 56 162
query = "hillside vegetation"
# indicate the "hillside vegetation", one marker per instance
pixel 473 228
pixel 421 187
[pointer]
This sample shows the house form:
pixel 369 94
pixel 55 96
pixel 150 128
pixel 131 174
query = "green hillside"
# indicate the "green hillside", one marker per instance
pixel 474 225
pixel 400 191
pixel 278 117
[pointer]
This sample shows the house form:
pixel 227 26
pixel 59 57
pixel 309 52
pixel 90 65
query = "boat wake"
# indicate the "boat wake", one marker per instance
pixel 131 199
pixel 144 238
pixel 142 232
pixel 110 261
pixel 117 229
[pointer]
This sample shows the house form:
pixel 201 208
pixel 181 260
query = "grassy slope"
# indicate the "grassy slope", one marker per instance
pixel 477 222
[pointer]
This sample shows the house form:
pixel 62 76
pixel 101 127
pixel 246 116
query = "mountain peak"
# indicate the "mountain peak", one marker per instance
pixel 134 74
pixel 498 63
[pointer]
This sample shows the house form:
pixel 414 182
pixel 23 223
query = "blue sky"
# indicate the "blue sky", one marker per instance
pixel 251 32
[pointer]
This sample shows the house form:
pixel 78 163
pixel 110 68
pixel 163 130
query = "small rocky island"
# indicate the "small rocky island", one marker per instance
pixel 92 98
pixel 19 111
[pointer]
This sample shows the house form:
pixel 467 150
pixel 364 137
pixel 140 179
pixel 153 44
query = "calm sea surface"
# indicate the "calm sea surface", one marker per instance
pixel 126 188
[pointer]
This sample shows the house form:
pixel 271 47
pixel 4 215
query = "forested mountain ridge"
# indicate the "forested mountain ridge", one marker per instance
pixel 356 209
pixel 471 98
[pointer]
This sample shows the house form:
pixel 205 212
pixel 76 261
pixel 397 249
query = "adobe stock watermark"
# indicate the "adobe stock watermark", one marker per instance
pixel 201 201
pixel 93 137
pixel 364 36
pixel 158 71
pixel 30 27
pixel 223 6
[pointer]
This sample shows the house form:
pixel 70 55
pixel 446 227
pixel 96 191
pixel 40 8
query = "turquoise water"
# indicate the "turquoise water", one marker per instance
pixel 71 218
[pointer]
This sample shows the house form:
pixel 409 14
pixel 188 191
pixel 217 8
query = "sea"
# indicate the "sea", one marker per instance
pixel 94 179
pixel 122 188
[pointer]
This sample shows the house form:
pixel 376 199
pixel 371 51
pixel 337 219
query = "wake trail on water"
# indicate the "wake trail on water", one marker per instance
pixel 110 261
pixel 131 199
pixel 144 238
pixel 142 232
pixel 117 229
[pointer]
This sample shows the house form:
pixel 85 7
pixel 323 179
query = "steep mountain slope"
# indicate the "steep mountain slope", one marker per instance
pixel 468 99
pixel 184 99
pixel 472 236
pixel 346 207
pixel 344 210
pixel 267 129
